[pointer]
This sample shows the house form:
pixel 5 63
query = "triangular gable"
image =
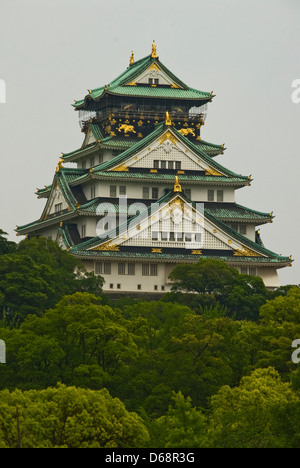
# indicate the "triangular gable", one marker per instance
pixel 174 223
pixel 154 72
pixel 60 199
pixel 168 146
pixel 89 138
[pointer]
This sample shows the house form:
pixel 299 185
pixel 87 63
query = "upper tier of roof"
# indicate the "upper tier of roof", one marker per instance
pixel 125 85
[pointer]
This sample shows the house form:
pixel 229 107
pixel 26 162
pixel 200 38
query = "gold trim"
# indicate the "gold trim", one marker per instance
pixel 186 131
pixel 131 58
pixel 245 252
pixel 121 168
pixel 213 172
pixel 107 247
pixel 177 186
pixel 154 250
pixel 168 119
pixel 154 67
pixel 154 51
pixel 168 136
pixel 196 252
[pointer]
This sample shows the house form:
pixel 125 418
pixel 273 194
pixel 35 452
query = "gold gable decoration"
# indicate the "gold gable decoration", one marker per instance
pixel 245 252
pixel 213 172
pixel 169 136
pixel 107 247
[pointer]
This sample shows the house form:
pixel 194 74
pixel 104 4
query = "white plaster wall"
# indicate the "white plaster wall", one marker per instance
pixel 130 282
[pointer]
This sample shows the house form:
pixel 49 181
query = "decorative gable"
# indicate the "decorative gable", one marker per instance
pixel 56 202
pixel 154 75
pixel 167 149
pixel 173 224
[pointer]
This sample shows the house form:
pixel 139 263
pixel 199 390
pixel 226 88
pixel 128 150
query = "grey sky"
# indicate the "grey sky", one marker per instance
pixel 247 52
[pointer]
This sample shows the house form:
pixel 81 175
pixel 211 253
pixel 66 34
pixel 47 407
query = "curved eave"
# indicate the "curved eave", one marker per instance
pixel 161 179
pixel 173 258
pixel 38 225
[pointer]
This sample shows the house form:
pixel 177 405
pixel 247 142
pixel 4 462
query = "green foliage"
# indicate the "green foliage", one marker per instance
pixel 210 367
pixel 37 276
pixel 67 417
pixel 5 245
pixel 247 416
pixel 213 280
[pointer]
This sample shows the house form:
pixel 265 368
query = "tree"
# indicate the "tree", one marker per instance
pixel 37 276
pixel 282 308
pixel 67 417
pixel 79 342
pixel 247 416
pixel 5 245
pixel 181 427
pixel 206 276
pixel 243 295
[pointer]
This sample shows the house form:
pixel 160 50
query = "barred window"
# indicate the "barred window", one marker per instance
pixel 210 195
pixel 145 192
pixel 131 269
pixel 121 268
pixel 113 191
pixel 252 271
pixel 107 268
pixel 220 195
pixel 153 269
pixel 154 192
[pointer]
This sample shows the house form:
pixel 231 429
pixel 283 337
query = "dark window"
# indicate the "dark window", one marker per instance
pixel 243 229
pixel 155 192
pixel 113 191
pixel 146 192
pixel 210 195
pixel 220 195
pixel 131 268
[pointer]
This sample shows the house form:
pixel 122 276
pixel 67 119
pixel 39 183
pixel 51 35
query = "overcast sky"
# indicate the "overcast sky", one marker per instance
pixel 246 52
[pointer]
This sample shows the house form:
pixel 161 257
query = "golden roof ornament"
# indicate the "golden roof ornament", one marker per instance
pixel 154 52
pixel 177 186
pixel 131 58
pixel 168 119
pixel 60 164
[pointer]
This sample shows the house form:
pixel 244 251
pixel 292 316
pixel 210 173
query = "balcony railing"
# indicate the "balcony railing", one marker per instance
pixel 195 114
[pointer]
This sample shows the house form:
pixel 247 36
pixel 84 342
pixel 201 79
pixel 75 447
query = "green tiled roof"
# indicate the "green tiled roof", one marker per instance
pixel 167 197
pixel 235 212
pixel 209 149
pixel 94 255
pixel 159 130
pixel 119 86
